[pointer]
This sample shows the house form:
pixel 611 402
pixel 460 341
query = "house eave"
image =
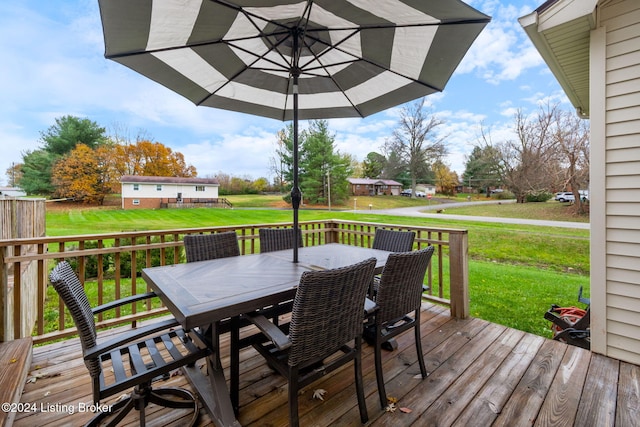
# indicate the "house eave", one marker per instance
pixel 560 30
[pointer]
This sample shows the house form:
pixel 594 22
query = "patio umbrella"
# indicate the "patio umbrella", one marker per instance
pixel 293 59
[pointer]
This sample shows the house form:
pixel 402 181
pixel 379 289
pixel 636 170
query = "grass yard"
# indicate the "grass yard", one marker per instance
pixel 515 271
pixel 549 211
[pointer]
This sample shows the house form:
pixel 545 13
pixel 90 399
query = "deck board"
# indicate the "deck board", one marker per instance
pixel 478 374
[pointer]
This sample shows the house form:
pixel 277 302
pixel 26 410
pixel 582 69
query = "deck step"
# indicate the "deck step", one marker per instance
pixel 15 362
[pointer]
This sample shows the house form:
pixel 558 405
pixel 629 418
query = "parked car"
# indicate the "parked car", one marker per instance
pixel 567 196
pixel 408 192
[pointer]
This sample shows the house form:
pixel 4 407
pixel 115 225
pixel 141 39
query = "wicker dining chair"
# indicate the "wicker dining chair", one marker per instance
pixel 393 241
pixel 277 239
pixel 399 299
pixel 326 319
pixel 202 247
pixel 132 359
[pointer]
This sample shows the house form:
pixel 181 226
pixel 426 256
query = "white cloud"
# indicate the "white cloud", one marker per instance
pixel 54 65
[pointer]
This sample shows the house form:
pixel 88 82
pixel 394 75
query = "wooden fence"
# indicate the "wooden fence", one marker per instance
pixel 20 219
pixel 109 266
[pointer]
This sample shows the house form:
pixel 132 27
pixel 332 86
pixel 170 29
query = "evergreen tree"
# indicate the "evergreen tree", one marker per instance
pixel 57 141
pixel 36 172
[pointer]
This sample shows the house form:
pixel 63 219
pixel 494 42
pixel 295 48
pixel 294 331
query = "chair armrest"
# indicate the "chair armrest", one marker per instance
pixel 122 301
pixel 129 337
pixel 271 331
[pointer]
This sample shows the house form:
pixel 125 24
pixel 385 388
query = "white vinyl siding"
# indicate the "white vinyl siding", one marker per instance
pixel 168 190
pixel 621 22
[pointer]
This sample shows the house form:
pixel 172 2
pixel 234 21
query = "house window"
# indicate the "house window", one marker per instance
pixel 136 201
pixel 136 187
pixel 159 187
pixel 199 187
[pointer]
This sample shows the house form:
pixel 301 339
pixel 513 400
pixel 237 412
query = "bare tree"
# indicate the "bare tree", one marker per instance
pixel 527 164
pixel 572 144
pixel 415 141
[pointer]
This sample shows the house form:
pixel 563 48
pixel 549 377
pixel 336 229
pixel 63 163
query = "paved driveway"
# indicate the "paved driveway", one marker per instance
pixel 431 212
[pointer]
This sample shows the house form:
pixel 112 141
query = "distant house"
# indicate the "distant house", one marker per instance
pixel 162 191
pixel 426 188
pixel 11 192
pixel 374 187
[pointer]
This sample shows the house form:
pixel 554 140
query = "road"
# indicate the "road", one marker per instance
pixel 431 212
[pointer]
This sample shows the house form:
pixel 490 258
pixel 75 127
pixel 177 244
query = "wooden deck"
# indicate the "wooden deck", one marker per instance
pixel 480 374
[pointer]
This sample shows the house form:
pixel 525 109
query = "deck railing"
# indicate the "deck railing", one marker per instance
pixel 109 265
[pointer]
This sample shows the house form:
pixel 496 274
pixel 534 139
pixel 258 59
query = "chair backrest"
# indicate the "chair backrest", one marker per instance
pixel 400 289
pixel 394 241
pixel 328 310
pixel 201 247
pixel 68 286
pixel 277 239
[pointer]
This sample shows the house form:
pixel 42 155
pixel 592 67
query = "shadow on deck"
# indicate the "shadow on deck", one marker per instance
pixel 480 374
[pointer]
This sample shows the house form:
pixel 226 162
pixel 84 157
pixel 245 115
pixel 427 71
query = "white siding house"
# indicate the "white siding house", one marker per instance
pixel 162 191
pixel 11 192
pixel 593 49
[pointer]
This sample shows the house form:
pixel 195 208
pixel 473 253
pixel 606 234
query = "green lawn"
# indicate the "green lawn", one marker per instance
pixel 550 211
pixel 515 271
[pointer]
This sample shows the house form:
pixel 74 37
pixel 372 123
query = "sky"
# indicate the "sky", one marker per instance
pixel 52 64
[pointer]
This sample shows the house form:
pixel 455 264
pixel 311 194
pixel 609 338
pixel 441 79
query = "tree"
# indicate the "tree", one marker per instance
pixel 69 131
pixel 260 185
pixel 415 141
pixel 282 162
pixel 146 158
pixel 527 164
pixel 57 141
pixel 14 174
pixel 79 175
pixel 572 144
pixel 319 164
pixel 446 179
pixel 36 172
pixel 373 165
pixel 482 169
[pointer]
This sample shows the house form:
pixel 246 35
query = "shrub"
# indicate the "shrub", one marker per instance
pixel 503 195
pixel 538 196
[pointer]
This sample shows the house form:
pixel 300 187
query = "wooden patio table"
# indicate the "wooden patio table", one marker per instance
pixel 201 294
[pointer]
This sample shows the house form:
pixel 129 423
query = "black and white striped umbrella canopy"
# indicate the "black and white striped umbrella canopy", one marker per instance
pixel 293 59
pixel 353 57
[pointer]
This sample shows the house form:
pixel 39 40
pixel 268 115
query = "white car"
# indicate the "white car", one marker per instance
pixel 408 192
pixel 565 196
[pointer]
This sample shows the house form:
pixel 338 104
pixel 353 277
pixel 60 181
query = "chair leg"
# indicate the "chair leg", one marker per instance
pixel 118 411
pixel 294 419
pixel 362 404
pixel 378 363
pixel 234 368
pixel 423 369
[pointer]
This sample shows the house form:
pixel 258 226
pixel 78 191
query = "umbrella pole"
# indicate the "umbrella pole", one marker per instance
pixel 296 195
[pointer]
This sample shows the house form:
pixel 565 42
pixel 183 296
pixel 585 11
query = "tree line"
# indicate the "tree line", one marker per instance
pixel 549 152
pixel 77 161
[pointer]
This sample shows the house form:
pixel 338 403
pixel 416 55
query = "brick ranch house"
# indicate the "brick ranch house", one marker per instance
pixel 151 192
pixel 373 187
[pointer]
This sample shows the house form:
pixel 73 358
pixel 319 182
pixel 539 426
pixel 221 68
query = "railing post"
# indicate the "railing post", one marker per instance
pixel 331 236
pixel 459 274
pixel 4 295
